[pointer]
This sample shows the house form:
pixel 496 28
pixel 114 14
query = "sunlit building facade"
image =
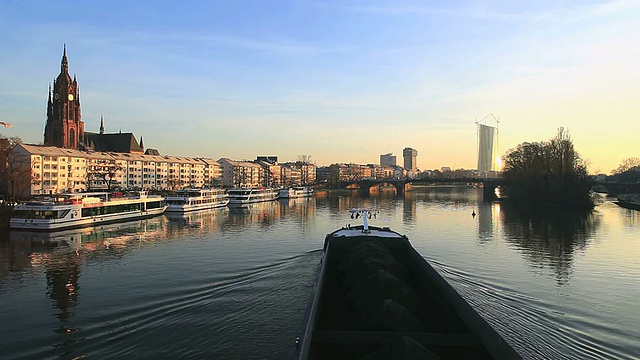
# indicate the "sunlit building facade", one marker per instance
pixel 410 156
pixel 387 159
pixel 40 170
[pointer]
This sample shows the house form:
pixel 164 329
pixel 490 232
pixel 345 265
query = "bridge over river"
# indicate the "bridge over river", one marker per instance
pixel 489 185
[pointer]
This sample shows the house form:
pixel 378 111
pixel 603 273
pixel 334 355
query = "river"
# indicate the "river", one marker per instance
pixel 234 283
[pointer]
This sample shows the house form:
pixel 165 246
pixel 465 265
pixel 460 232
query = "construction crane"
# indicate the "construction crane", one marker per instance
pixel 5 124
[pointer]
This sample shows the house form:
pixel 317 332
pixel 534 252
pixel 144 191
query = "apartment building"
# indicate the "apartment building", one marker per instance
pixel 37 170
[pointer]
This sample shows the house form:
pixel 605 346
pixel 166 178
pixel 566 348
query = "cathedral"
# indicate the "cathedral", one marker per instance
pixel 65 128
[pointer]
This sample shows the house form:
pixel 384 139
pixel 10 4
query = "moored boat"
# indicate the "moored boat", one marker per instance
pixel 244 196
pixel 196 199
pixel 296 192
pixel 68 211
pixel 376 297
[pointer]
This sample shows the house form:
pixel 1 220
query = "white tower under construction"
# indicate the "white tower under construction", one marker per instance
pixel 488 144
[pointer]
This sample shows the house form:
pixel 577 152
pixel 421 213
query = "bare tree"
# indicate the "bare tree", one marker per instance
pixel 306 159
pixel 103 170
pixel 305 166
pixel 172 183
pixel 17 172
pixel 627 164
pixel 15 168
pixel 269 178
pixel 239 176
pixel 353 172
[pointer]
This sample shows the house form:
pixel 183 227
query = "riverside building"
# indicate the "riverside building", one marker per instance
pixel 410 158
pixel 54 170
pixel 387 160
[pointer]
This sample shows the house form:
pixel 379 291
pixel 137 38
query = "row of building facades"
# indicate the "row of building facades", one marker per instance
pixel 74 160
pixel 42 170
pixel 36 170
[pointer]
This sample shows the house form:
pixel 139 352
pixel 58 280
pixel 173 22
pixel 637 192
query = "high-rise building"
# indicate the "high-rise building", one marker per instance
pixel 410 158
pixel 487 138
pixel 64 127
pixel 387 160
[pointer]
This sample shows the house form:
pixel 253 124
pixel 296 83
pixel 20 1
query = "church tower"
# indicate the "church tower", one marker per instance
pixel 64 127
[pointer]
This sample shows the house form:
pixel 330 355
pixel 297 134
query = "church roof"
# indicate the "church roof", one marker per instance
pixel 118 142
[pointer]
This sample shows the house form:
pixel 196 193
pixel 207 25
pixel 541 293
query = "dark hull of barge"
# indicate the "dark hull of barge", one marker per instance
pixel 376 297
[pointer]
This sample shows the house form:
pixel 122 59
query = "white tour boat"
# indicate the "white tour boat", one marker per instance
pixel 84 209
pixel 243 196
pixel 296 192
pixel 196 199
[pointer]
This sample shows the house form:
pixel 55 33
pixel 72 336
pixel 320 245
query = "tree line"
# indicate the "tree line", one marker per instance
pixel 548 173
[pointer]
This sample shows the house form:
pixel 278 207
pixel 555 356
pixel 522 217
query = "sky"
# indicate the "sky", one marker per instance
pixel 341 81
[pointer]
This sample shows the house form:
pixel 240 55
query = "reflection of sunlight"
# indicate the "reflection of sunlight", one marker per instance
pixel 499 163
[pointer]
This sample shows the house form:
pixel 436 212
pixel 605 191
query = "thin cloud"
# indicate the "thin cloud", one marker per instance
pixel 552 14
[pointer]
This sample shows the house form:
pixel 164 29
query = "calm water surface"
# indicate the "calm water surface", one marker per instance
pixel 234 283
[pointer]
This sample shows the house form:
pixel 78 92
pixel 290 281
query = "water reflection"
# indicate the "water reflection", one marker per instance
pixel 550 238
pixel 262 214
pixel 62 255
pixel 486 213
pixel 88 239
pixel 631 218
pixel 63 274
pixel 299 208
pixel 409 207
pixel 448 195
pixel 196 221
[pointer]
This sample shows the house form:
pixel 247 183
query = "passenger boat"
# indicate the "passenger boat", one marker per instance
pixel 244 196
pixel 296 192
pixel 67 211
pixel 376 297
pixel 629 201
pixel 196 199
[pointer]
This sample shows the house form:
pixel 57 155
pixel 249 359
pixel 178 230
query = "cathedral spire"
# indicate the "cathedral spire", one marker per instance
pixel 141 143
pixel 64 67
pixel 49 103
pixel 101 124
pixel 64 127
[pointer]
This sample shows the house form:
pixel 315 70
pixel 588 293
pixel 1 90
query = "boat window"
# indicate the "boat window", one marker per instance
pixel 22 214
pixel 154 205
pixel 35 214
pixel 113 209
